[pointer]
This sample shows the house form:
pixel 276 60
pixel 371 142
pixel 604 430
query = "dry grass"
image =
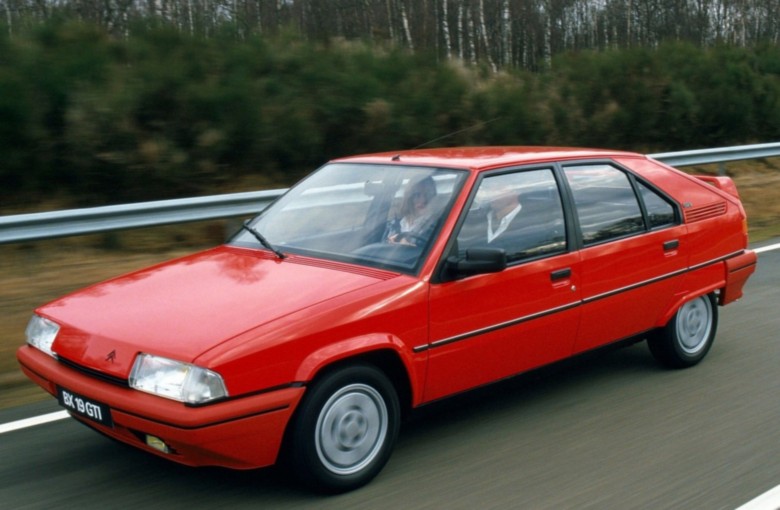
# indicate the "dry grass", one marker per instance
pixel 34 273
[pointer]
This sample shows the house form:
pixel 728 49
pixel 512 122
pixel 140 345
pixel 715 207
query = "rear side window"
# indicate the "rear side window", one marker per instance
pixel 606 204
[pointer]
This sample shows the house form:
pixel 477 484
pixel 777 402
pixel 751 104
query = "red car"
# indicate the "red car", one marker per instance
pixel 384 282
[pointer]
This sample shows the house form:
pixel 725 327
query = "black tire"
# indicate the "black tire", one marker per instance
pixel 688 336
pixel 344 429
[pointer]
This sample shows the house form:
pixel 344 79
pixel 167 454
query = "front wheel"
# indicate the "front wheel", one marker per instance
pixel 687 338
pixel 345 429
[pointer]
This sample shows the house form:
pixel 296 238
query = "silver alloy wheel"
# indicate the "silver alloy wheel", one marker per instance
pixel 694 324
pixel 351 429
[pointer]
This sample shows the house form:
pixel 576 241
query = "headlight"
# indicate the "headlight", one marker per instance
pixel 41 334
pixel 176 380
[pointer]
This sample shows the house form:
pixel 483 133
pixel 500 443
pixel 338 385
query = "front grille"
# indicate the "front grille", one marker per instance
pixel 93 373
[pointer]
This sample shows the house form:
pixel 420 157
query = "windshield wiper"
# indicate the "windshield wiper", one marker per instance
pixel 262 240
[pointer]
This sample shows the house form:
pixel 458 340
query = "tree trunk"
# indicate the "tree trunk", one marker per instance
pixel 405 24
pixel 506 33
pixel 483 31
pixel 445 29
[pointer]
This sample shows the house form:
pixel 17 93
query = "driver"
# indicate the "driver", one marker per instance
pixel 415 221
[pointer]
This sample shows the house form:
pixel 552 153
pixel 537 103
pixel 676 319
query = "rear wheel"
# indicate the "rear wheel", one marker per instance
pixel 345 429
pixel 687 338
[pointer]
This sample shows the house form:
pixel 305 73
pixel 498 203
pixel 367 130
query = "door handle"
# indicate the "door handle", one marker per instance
pixel 560 274
pixel 671 245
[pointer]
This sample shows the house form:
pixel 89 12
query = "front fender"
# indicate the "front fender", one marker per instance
pixel 351 348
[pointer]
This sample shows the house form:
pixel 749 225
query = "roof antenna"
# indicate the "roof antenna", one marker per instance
pixel 455 133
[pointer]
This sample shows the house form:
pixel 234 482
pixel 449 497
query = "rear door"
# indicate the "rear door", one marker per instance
pixel 634 254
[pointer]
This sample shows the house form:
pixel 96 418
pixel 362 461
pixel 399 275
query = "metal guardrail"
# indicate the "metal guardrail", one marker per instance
pixel 36 226
pixel 721 155
pixel 94 220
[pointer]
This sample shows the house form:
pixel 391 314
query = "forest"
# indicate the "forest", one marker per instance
pixel 116 101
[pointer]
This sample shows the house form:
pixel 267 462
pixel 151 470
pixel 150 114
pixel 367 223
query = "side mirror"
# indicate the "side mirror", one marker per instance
pixel 477 261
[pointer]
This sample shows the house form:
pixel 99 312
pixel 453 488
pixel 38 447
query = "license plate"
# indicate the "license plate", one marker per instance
pixel 82 406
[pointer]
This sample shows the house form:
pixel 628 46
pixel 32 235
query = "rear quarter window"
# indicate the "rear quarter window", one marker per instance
pixel 660 213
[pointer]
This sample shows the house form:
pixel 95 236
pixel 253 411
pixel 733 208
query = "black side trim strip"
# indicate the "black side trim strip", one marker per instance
pixel 495 327
pixel 513 322
pixel 634 286
pixel 715 261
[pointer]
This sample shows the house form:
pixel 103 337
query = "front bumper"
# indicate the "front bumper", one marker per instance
pixel 240 433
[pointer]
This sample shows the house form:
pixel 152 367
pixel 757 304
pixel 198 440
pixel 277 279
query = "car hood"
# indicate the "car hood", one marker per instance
pixel 182 308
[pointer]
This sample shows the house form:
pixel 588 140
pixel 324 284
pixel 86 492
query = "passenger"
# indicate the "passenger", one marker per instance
pixel 504 209
pixel 497 221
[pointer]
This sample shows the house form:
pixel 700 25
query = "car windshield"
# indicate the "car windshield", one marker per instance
pixel 383 216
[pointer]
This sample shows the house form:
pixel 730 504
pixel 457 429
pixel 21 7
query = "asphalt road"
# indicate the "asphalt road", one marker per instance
pixel 607 431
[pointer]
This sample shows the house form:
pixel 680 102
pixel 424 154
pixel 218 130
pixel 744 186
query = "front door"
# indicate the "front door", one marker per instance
pixel 490 326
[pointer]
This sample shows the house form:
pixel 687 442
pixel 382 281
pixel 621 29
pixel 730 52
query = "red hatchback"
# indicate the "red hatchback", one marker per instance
pixel 381 283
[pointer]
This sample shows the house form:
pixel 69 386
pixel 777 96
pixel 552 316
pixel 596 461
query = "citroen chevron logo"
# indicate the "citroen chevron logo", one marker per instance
pixel 111 356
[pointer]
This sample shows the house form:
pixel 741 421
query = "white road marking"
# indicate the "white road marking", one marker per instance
pixel 767 248
pixel 769 500
pixel 31 422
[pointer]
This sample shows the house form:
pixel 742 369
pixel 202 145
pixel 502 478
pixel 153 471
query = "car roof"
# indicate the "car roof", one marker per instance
pixel 483 158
